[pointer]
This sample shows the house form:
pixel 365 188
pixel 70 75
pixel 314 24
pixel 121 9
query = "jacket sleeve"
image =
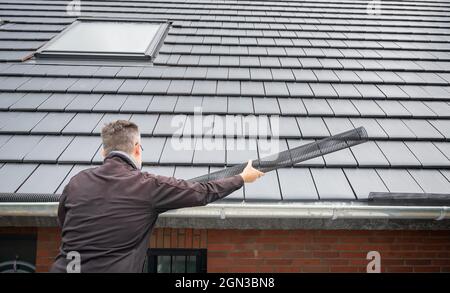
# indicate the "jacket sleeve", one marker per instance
pixel 62 207
pixel 170 193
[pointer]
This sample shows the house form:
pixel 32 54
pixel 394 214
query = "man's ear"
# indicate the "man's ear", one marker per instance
pixel 137 150
pixel 103 153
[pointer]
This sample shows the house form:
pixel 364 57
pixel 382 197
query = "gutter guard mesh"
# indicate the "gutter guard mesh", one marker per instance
pixel 296 155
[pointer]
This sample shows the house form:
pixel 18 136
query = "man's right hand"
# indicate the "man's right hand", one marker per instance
pixel 250 174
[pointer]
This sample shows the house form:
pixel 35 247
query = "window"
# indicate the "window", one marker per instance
pixel 107 38
pixel 17 253
pixel 176 261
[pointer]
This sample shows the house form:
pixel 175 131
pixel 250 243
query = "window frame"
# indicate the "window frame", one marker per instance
pixel 150 52
pixel 200 254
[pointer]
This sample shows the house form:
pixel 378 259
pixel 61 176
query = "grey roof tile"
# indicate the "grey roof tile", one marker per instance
pixel 343 107
pixel 146 122
pixel 209 150
pixel 393 109
pixel 178 150
pixel 326 75
pixel 12 83
pixel 317 107
pixel 8 99
pixel 215 105
pixel 13 175
pixel 45 179
pixel 289 179
pixel 129 72
pixel 153 147
pixel 419 109
pixel 82 123
pixel 265 189
pixel 30 101
pixel 399 181
pixel 373 129
pixel 164 125
pixel 167 171
pixel 188 104
pixel 240 105
pixel 240 150
pixel 18 147
pixel 252 88
pixel 106 71
pixel 282 74
pixel 428 154
pixel 185 173
pixel 299 89
pixel 423 129
pixel 85 85
pixel 312 127
pixel 332 184
pixel 346 91
pixel 48 149
pixel 443 126
pixel 266 106
pixel 83 102
pixel 287 127
pixel 110 103
pixel 204 87
pixel 132 86
pixel 162 104
pixel 156 87
pixel 291 106
pixel 23 123
pixel 396 128
pixel 136 103
pixel 364 181
pixel 53 123
pixel 81 150
pixel 323 90
pixel 260 74
pixel 304 75
pixel 431 181
pixel 180 87
pixel 398 154
pixel 57 102
pixel 369 155
pixel 369 91
pixel 228 88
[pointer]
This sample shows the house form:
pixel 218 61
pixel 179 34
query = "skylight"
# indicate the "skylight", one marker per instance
pixel 91 38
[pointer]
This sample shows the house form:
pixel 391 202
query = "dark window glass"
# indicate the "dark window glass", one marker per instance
pixel 17 253
pixel 176 261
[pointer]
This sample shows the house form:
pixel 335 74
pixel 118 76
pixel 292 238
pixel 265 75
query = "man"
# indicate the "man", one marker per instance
pixel 107 213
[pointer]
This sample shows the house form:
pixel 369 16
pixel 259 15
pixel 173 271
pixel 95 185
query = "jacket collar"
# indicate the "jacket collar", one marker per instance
pixel 125 157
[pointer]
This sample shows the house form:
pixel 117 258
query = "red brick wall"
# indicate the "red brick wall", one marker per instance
pixel 291 251
pixel 326 250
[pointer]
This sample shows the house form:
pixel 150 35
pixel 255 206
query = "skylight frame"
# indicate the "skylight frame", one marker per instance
pixel 149 54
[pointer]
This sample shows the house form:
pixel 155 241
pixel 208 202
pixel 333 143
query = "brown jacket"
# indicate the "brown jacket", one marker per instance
pixel 107 213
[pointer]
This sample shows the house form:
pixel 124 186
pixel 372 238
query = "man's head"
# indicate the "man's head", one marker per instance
pixel 122 135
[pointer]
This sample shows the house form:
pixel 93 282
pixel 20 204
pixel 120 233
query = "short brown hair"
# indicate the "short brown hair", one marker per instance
pixel 120 135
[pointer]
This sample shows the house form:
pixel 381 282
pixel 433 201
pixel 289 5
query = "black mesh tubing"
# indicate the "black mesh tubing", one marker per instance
pixel 283 159
pixel 296 155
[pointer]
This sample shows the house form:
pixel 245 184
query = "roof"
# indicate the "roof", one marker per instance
pixel 322 67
